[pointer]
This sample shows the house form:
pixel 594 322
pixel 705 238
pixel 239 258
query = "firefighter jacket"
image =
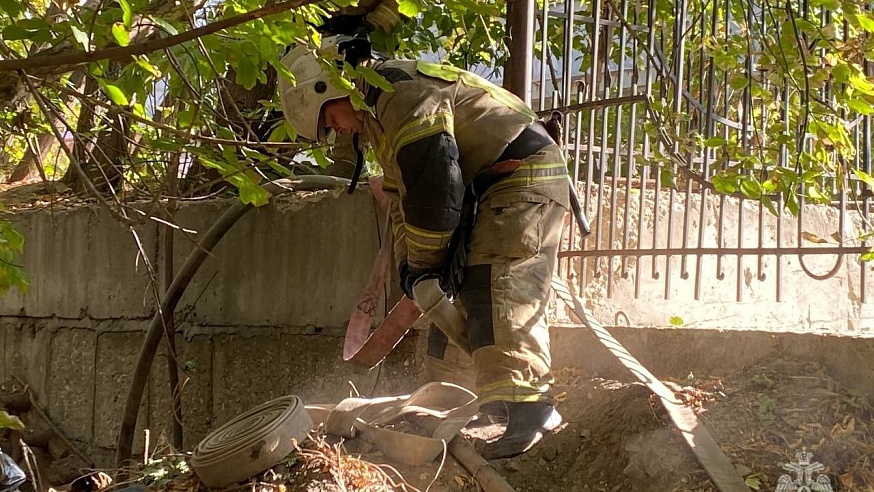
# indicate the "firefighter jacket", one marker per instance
pixel 433 134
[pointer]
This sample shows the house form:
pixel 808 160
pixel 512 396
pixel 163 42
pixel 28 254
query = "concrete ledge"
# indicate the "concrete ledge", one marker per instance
pixel 82 375
pixel 675 352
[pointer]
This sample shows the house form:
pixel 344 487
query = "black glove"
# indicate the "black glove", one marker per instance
pixel 409 277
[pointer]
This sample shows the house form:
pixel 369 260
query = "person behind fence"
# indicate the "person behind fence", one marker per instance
pixel 478 193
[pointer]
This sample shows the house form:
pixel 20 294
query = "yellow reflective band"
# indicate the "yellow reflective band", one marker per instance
pixel 528 179
pixel 429 234
pixel 425 247
pixel 514 397
pixel 509 383
pixel 553 165
pixel 423 127
pixel 451 74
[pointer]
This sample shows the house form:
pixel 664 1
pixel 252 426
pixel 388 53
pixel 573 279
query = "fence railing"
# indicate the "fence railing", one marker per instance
pixel 635 82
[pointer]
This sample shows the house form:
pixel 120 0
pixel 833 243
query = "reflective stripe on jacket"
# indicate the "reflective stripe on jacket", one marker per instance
pixel 432 134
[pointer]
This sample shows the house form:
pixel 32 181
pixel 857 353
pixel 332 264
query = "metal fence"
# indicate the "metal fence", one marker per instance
pixel 615 60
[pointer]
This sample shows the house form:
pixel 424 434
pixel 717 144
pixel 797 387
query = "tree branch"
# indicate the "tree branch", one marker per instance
pixel 61 62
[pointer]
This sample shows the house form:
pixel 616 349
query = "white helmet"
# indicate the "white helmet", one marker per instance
pixel 302 103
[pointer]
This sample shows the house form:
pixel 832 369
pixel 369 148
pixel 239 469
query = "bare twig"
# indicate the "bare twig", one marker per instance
pixel 176 131
pixel 62 62
pixel 32 466
pixel 49 112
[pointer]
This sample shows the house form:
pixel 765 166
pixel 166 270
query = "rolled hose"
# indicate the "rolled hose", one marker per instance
pixel 251 443
pixel 171 298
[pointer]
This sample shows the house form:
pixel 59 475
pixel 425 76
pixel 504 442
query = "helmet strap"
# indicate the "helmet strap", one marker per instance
pixel 359 165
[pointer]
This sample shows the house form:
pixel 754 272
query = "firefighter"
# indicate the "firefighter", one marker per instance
pixel 465 158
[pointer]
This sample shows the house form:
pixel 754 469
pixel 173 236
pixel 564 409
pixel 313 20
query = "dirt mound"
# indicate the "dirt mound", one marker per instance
pixel 616 437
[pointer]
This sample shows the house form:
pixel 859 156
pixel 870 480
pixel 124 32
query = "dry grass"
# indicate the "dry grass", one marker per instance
pixel 318 458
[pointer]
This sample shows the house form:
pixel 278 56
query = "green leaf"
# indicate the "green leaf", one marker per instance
pixel 785 139
pixel 676 321
pixel 280 169
pixel 13 239
pixel 127 15
pixel 860 106
pixel 139 110
pixel 33 24
pixel 816 195
pixel 164 25
pixel 861 84
pixel 279 134
pixel 251 193
pixel 841 73
pixel 247 73
pixel 81 37
pixel 792 203
pixel 14 33
pixel 11 7
pixel 184 117
pixel 714 142
pixel 410 8
pixel 806 26
pixel 725 184
pixel 341 83
pixel 375 79
pixel 223 167
pixel 866 21
pixel 666 177
pixel 320 157
pixel 120 34
pixel 867 256
pixel 806 176
pixel 865 177
pixel 826 4
pixel 750 187
pixel 115 94
pixel 739 83
pixel 753 482
pixel 769 204
pixel 144 63
pixel 10 421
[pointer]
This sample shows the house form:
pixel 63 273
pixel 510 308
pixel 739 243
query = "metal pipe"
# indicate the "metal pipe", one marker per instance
pixel 545 55
pixel 739 251
pixel 174 292
pixel 520 27
pixel 679 48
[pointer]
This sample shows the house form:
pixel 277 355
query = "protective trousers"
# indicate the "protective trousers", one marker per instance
pixel 506 290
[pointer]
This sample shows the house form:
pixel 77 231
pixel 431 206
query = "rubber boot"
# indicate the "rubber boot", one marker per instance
pixel 528 423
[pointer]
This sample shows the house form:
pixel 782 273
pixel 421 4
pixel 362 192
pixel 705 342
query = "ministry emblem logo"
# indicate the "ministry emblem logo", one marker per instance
pixel 803 469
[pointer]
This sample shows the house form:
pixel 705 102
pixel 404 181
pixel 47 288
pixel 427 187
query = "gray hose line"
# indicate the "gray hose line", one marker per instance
pixel 174 293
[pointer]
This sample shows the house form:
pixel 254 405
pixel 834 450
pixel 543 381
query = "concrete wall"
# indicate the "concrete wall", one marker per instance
pixel 264 316
pixel 266 313
pixel 743 296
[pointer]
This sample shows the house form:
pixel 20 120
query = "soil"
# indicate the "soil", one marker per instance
pixel 616 437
